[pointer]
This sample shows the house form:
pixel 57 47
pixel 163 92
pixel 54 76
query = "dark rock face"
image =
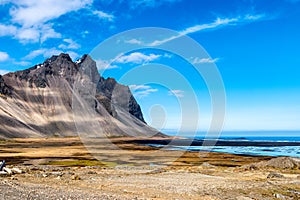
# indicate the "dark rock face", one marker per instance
pixel 40 99
pixel 110 90
pixel 4 89
pixel 135 109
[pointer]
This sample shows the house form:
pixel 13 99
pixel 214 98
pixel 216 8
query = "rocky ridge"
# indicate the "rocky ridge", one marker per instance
pixel 39 101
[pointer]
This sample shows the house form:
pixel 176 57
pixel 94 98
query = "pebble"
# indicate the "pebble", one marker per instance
pixel 275 175
pixel 279 196
pixel 3 173
pixel 91 172
pixel 243 198
pixel 75 177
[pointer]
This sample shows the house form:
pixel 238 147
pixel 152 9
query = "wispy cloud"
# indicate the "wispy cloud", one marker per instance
pixel 141 91
pixel 139 87
pixel 48 53
pixel 204 60
pixel 177 93
pixel 3 56
pixel 104 65
pixel 138 4
pixel 22 63
pixel 137 57
pixel 44 52
pixel 134 41
pixel 254 17
pixel 104 15
pixel 218 23
pixel 69 44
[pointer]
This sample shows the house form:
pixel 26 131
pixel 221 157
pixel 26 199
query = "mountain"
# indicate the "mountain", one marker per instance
pixel 63 98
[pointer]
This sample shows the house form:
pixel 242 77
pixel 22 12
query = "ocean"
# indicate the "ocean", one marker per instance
pixel 264 143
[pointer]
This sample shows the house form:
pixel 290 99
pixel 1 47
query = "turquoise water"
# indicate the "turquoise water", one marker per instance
pixel 268 136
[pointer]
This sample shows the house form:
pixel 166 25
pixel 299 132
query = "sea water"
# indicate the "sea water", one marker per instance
pixel 253 136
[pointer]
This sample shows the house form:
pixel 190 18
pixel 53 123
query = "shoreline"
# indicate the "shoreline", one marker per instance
pixel 236 147
pixel 211 142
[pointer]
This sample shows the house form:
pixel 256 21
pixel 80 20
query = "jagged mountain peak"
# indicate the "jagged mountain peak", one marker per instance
pixel 59 58
pixel 38 101
pixel 57 65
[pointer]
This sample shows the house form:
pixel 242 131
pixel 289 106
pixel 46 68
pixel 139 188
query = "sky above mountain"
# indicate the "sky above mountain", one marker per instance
pixel 253 43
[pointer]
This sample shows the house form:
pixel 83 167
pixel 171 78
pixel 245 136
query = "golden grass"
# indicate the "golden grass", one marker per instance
pixel 80 163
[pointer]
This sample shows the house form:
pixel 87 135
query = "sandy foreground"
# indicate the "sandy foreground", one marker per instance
pixel 63 168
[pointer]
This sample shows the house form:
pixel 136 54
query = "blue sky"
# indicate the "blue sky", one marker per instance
pixel 254 44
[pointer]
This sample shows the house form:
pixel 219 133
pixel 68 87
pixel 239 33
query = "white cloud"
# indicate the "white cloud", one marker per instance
pixel 3 56
pixel 44 52
pixel 70 44
pixel 34 54
pixel 141 91
pixel 28 35
pixel 177 93
pixel 137 57
pixel 31 12
pixel 104 16
pixel 167 55
pixel 254 17
pixel 22 63
pixel 134 41
pixel 219 22
pixel 134 4
pixel 2 71
pixel 37 33
pixel 31 18
pixel 103 64
pixel 204 60
pixel 139 87
pixel 84 33
pixel 47 32
pixel 7 30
